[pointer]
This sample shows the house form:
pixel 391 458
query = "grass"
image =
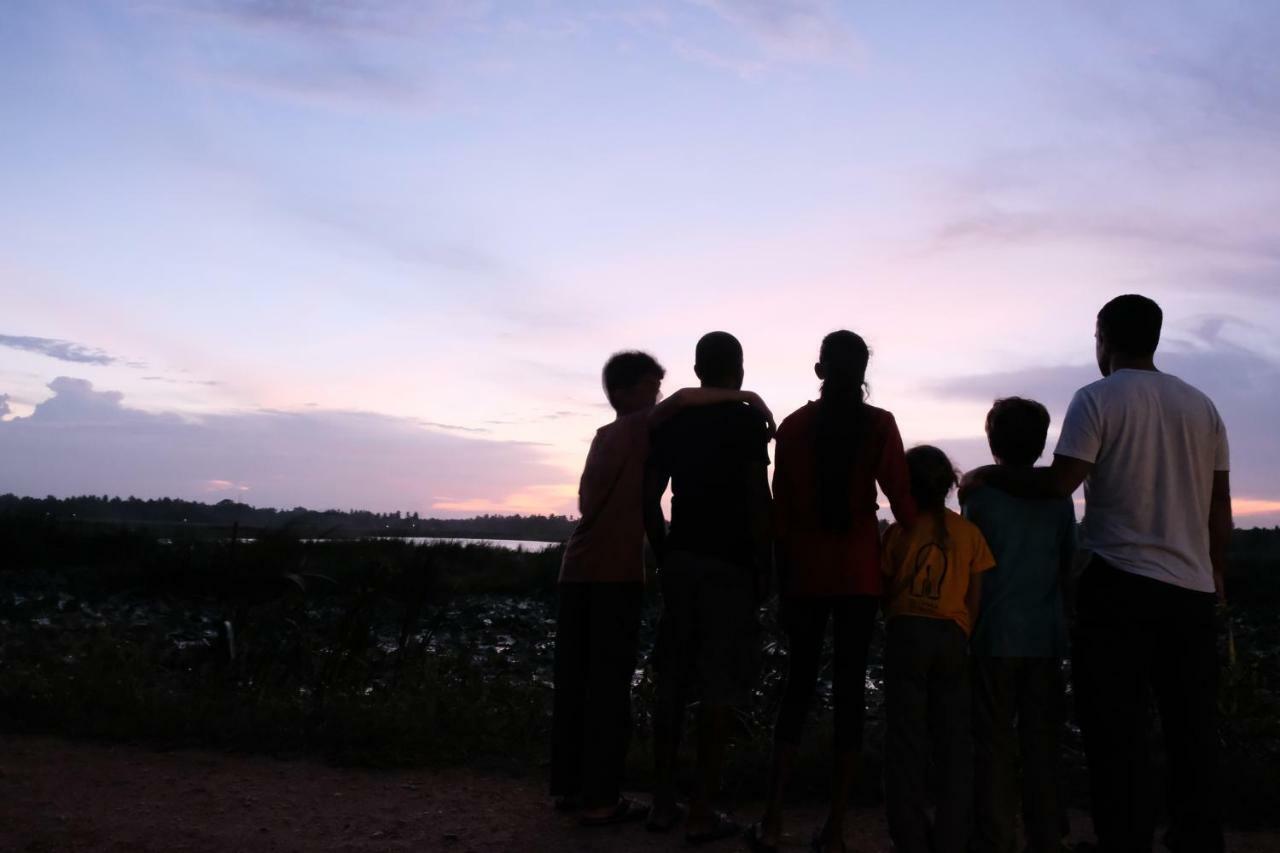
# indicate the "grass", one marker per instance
pixel 386 653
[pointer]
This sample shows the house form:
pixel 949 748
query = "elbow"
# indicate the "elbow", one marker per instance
pixel 1063 487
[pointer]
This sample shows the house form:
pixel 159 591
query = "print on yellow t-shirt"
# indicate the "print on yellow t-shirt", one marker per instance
pixel 930 577
pixel 929 574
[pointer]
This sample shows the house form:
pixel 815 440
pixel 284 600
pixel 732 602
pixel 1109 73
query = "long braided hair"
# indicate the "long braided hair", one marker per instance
pixel 841 424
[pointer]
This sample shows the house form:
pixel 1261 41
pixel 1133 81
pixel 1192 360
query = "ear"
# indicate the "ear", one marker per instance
pixel 819 371
pixel 697 371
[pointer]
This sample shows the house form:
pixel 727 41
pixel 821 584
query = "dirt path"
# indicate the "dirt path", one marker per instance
pixel 58 795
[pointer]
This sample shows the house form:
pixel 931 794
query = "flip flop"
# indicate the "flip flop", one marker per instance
pixel 666 825
pixel 721 827
pixel 755 840
pixel 624 812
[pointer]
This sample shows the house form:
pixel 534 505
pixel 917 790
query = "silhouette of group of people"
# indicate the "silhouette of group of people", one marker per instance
pixel 974 602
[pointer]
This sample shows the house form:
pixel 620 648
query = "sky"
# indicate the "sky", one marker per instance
pixel 373 254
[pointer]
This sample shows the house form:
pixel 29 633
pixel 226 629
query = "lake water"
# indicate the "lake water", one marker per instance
pixel 532 545
pixel 510 544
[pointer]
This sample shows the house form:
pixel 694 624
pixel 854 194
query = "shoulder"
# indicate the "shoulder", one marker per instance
pixel 981 498
pixel 1095 390
pixel 628 430
pixel 798 422
pixel 634 421
pixel 623 424
pixel 1191 393
pixel 959 525
pixel 884 427
pixel 879 416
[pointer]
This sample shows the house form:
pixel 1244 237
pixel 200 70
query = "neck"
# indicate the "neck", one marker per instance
pixel 1132 362
pixel 836 391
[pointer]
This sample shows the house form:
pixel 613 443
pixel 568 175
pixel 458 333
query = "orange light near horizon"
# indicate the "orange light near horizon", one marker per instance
pixel 536 500
pixel 1253 506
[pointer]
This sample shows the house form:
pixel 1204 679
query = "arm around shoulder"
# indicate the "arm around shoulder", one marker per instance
pixel 1058 480
pixel 1078 446
pixel 687 398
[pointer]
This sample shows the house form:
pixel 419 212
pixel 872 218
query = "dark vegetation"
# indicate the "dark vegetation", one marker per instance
pixel 172 517
pixel 385 652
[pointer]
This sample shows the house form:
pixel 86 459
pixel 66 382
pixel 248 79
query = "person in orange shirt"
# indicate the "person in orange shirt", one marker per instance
pixel 830 455
pixel 933 573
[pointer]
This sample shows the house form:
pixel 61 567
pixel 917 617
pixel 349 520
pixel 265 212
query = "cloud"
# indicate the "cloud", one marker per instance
pixel 330 17
pixel 85 441
pixel 715 60
pixel 1153 228
pixel 215 486
pixel 318 51
pixel 1197 70
pixel 393 234
pixel 1242 383
pixel 59 349
pixel 451 427
pixel 1176 123
pixel 542 418
pixel 4 405
pixel 795 30
pixel 331 81
pixel 172 381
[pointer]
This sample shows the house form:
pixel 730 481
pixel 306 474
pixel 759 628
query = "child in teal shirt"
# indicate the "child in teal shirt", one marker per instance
pixel 1018 644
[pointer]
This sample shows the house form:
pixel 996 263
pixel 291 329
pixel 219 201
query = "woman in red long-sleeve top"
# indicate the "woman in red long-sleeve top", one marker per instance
pixel 830 456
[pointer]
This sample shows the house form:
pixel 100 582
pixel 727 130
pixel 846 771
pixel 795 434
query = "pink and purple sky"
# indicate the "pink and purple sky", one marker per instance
pixel 373 254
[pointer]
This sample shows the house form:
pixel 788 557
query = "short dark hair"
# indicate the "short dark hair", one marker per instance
pixel 1016 430
pixel 718 355
pixel 1131 324
pixel 625 369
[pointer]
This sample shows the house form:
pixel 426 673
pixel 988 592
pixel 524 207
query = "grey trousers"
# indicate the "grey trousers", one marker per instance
pixel 1018 715
pixel 927 710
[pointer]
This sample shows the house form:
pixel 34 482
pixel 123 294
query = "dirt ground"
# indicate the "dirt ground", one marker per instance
pixel 59 795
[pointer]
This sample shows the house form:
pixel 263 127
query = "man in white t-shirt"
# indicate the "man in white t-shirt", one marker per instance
pixel 1152 454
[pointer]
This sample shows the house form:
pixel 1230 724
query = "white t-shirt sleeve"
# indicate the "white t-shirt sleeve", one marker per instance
pixel 1081 436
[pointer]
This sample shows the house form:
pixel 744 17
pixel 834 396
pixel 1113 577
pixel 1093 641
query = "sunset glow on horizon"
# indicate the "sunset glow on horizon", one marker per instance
pixel 374 254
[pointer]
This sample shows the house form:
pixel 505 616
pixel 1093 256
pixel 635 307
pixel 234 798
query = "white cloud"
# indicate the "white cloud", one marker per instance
pixel 85 441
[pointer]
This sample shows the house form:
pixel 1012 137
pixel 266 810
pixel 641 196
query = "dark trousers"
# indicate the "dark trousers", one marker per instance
pixel 927 710
pixel 804 619
pixel 1018 712
pixel 597 630
pixel 1137 637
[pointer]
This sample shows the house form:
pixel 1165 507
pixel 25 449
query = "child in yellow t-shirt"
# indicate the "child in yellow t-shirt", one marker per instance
pixel 933 587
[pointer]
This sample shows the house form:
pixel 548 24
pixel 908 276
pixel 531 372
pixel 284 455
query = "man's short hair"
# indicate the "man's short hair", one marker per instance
pixel 626 369
pixel 718 355
pixel 1130 324
pixel 1016 430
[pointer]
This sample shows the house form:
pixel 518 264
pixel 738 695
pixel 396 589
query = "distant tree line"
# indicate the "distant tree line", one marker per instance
pixel 172 515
